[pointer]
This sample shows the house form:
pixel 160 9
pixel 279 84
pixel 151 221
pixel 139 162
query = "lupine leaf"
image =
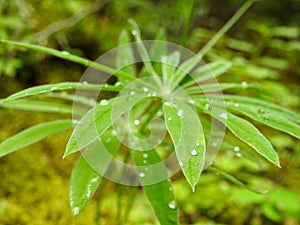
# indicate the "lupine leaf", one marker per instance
pixel 99 119
pixel 33 134
pixel 39 106
pixel 42 89
pixel 154 179
pixel 186 131
pixel 125 56
pixel 248 133
pixel 70 57
pixel 206 72
pixel 84 179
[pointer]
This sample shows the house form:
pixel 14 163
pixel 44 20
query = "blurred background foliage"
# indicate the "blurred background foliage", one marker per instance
pixel 264 47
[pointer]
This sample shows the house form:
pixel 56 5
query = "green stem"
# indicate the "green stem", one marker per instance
pixel 225 28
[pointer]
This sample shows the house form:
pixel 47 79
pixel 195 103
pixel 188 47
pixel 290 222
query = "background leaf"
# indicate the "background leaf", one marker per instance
pixel 32 135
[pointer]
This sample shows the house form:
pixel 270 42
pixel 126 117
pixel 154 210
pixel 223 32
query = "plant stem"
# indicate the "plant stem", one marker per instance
pixel 225 28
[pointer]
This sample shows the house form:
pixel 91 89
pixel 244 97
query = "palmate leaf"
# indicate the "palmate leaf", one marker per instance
pixel 32 135
pixel 160 194
pixel 84 179
pixel 186 131
pixel 249 134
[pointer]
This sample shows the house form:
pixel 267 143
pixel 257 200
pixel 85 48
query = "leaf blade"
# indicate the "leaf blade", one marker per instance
pixel 189 140
pixel 160 194
pixel 32 135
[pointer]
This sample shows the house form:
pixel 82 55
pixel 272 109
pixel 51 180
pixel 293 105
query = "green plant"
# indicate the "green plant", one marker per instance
pixel 186 106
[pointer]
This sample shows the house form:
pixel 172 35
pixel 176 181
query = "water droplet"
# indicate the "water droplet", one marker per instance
pixel 236 104
pixel 136 122
pixel 193 189
pixel 197 144
pixel 261 111
pixel 53 88
pixel 141 174
pixel 207 106
pixel 105 85
pixel 180 113
pixel 215 144
pixel 172 204
pixel 244 84
pixel 75 211
pixel 170 189
pixel 75 121
pixel 191 101
pixel 134 32
pixel 224 116
pixel 194 152
pixel 154 94
pixel 164 58
pixel 145 89
pixel 145 155
pixel 180 164
pixel 144 161
pixel 236 148
pixel 65 53
pixel 169 118
pixel 103 102
pixel 146 169
pixel 119 83
pixel 167 104
pixel 132 93
pixel 238 154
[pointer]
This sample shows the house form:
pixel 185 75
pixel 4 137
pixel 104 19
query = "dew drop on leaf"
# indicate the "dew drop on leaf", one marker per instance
pixel 215 144
pixel 244 84
pixel 224 116
pixel 181 164
pixel 194 152
pixel 136 122
pixel 169 118
pixel 180 113
pixel 103 102
pixel 141 174
pixel 236 104
pixel 172 204
pixel 191 101
pixel 236 148
pixel 134 32
pixel 207 106
pixel 65 53
pixel 75 211
pixel 53 88
pixel 145 89
pixel 144 161
pixel 238 154
pixel 145 155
